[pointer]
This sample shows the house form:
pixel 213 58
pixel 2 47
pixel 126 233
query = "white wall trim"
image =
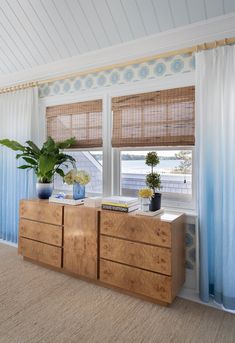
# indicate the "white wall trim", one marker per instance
pixel 2 241
pixel 183 37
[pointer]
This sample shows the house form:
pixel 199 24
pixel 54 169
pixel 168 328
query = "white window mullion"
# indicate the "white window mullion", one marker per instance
pixel 107 146
pixel 116 172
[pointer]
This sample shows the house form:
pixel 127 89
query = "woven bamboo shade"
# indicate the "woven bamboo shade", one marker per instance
pixel 82 120
pixel 163 118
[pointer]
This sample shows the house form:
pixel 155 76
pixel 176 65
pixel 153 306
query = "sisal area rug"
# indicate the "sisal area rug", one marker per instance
pixel 40 305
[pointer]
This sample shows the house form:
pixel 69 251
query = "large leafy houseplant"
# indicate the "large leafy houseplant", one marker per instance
pixel 47 161
pixel 153 180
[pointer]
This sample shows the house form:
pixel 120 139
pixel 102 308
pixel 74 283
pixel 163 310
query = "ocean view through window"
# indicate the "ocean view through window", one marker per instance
pixel 175 168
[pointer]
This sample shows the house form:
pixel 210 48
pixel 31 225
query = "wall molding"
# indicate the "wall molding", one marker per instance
pixel 187 36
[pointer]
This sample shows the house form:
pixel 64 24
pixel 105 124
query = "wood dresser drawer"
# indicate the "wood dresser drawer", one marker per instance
pixel 81 240
pixel 136 228
pixel 136 254
pixel 41 211
pixel 135 280
pixel 42 232
pixel 40 252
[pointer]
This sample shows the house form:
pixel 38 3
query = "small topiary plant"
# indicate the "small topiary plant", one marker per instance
pixel 153 179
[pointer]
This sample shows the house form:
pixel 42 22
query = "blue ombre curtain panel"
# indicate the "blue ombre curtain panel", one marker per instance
pixel 19 120
pixel 215 134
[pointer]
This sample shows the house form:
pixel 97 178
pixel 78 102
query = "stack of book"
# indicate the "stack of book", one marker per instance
pixel 121 204
pixel 67 200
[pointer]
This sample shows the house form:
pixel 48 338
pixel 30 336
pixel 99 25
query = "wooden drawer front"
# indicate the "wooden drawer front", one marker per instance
pixel 148 230
pixel 41 211
pixel 80 241
pixel 136 254
pixel 135 280
pixel 40 252
pixel 45 233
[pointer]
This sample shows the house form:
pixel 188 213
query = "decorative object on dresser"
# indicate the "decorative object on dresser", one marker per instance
pixel 66 200
pixel 141 256
pixel 153 180
pixel 120 204
pixel 79 179
pixel 145 195
pixel 45 162
pixel 150 213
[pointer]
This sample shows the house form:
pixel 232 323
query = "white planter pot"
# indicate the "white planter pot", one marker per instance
pixel 145 204
pixel 44 190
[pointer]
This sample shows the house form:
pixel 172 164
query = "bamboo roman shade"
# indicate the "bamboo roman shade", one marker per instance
pixel 162 118
pixel 82 120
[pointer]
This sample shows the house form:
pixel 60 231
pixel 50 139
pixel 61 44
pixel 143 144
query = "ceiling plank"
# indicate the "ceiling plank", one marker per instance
pixel 134 18
pixel 214 8
pixel 179 12
pixel 147 11
pixel 40 28
pixel 120 20
pixel 44 17
pixel 83 24
pixel 6 64
pixel 18 34
pixel 96 24
pixel 229 6
pixel 164 14
pixel 59 28
pixel 196 10
pixel 14 45
pixel 10 9
pixel 66 24
pixel 107 17
pixel 25 21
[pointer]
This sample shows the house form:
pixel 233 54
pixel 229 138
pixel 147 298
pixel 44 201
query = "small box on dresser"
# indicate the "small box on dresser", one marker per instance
pixel 143 255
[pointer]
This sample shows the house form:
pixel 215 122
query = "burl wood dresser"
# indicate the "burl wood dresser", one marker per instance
pixel 143 256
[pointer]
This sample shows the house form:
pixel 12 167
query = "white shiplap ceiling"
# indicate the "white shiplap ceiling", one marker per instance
pixel 39 32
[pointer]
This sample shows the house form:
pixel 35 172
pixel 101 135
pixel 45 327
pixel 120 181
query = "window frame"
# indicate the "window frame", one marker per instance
pixel 172 200
pixel 111 156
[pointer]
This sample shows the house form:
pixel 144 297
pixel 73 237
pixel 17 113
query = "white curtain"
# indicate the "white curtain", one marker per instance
pixel 19 120
pixel 215 139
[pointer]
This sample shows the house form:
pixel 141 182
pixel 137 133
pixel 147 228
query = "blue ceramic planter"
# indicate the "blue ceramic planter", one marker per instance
pixel 78 191
pixel 44 190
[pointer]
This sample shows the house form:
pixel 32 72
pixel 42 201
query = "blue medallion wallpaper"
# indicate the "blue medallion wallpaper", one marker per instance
pixel 150 70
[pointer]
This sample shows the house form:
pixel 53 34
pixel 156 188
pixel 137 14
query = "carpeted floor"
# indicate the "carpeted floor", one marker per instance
pixel 40 305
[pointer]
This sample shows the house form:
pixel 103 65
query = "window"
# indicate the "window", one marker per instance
pixel 162 121
pixel 82 120
pixel 92 162
pixel 175 168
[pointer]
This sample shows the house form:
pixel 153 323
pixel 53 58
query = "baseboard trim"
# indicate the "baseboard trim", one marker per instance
pixel 15 245
pixel 192 295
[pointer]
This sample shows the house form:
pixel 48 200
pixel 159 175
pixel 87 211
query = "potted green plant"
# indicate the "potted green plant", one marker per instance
pixel 153 180
pixel 46 162
pixel 79 179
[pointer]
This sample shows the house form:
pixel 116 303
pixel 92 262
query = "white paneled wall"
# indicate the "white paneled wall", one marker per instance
pixel 37 32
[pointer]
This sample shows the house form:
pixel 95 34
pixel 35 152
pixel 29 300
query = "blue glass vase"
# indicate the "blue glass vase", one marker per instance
pixel 78 191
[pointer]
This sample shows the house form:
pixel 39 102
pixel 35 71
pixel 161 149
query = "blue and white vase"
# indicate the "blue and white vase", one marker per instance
pixel 78 191
pixel 44 190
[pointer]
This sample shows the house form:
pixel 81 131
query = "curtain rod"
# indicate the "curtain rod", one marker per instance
pixel 190 50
